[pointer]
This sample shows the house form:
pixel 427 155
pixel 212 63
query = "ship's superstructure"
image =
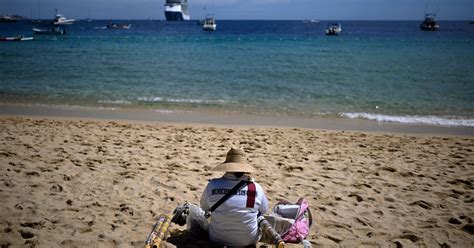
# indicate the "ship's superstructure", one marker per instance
pixel 176 10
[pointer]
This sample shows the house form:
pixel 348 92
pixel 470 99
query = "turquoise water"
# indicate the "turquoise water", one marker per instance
pixel 385 71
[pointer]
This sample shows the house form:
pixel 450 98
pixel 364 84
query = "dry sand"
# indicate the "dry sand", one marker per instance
pixel 83 183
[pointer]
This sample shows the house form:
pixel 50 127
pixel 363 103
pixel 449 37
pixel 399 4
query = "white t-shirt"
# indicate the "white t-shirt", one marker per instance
pixel 233 223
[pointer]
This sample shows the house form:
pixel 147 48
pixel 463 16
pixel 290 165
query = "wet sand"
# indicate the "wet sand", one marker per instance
pixel 100 183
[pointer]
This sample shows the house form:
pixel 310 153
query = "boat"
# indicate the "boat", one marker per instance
pixel 471 22
pixel 176 10
pixel 209 24
pixel 429 24
pixel 59 19
pixel 333 29
pixel 119 26
pixel 17 38
pixel 55 30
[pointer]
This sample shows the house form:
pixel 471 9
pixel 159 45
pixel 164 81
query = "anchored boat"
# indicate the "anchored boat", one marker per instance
pixel 55 31
pixel 429 24
pixel 209 24
pixel 333 29
pixel 59 19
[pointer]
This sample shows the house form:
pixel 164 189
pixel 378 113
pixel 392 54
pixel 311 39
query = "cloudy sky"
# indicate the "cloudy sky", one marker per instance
pixel 248 9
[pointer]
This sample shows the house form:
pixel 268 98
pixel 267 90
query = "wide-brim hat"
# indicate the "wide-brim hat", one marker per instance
pixel 235 162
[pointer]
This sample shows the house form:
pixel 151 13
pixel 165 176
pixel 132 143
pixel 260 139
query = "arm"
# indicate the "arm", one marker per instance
pixel 264 206
pixel 204 199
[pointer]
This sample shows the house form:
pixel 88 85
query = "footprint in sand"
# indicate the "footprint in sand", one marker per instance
pixel 469 228
pixel 26 234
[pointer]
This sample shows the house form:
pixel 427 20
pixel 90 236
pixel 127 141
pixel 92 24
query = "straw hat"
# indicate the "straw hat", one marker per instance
pixel 235 162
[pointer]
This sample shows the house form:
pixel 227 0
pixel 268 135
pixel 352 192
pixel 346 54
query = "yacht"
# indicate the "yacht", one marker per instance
pixel 429 24
pixel 176 10
pixel 209 24
pixel 333 29
pixel 59 19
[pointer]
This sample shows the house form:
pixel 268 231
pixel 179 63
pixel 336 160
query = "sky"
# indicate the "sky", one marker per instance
pixel 247 9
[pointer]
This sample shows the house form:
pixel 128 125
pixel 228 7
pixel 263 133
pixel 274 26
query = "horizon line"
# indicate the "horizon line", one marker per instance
pixel 315 20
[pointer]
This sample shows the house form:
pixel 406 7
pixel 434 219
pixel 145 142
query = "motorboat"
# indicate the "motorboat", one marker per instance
pixel 333 29
pixel 209 24
pixel 17 38
pixel 429 24
pixel 119 26
pixel 59 19
pixel 54 30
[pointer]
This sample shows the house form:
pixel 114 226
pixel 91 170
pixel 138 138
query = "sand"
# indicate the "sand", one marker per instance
pixel 97 183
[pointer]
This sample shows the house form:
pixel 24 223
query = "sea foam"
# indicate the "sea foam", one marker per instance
pixel 172 100
pixel 429 120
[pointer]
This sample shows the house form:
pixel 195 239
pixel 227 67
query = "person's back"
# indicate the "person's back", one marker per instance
pixel 234 222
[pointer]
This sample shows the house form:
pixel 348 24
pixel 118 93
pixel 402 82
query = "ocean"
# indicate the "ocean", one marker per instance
pixel 384 71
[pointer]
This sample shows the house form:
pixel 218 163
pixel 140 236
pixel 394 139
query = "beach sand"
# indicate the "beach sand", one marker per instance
pixel 97 183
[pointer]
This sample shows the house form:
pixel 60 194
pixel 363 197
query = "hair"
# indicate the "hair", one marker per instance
pixel 238 174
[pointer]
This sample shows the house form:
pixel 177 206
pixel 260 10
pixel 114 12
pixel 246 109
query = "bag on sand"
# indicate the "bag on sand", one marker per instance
pixel 291 221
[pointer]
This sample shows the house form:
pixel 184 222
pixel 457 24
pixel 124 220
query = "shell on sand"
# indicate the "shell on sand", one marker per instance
pixel 80 183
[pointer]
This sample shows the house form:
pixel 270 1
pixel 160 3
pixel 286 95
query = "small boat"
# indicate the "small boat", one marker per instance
pixel 119 26
pixel 59 19
pixel 333 29
pixel 471 22
pixel 209 24
pixel 16 38
pixel 55 30
pixel 429 24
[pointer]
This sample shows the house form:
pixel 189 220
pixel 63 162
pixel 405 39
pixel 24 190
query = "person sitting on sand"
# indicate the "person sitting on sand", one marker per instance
pixel 234 222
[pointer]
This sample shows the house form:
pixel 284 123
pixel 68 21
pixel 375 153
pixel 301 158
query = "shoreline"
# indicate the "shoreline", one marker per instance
pixel 228 119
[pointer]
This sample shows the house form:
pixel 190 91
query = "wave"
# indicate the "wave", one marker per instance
pixel 172 100
pixel 430 120
pixel 123 102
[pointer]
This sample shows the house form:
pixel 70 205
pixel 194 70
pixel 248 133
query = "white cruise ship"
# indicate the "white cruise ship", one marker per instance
pixel 176 10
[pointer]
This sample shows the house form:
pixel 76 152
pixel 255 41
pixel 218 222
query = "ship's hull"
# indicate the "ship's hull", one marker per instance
pixel 429 27
pixel 176 16
pixel 175 13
